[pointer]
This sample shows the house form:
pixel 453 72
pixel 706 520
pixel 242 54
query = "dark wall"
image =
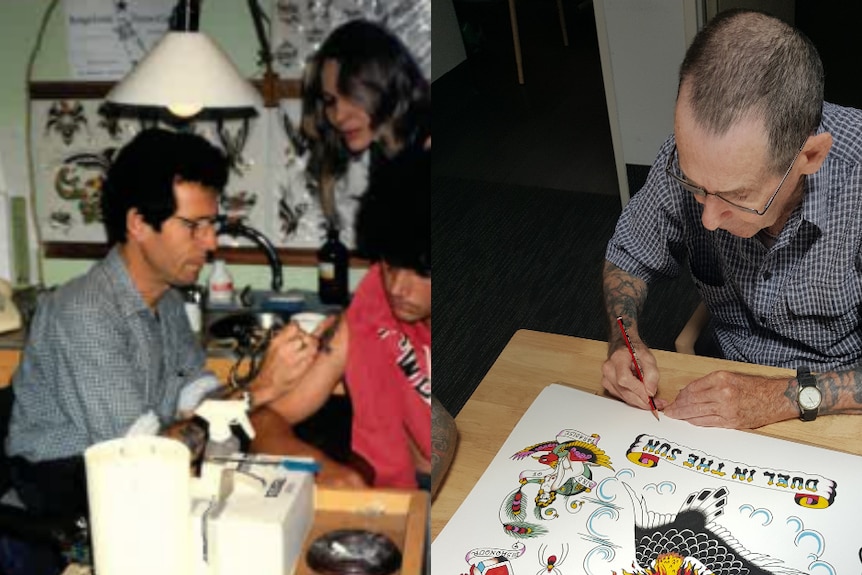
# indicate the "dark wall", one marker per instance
pixel 833 26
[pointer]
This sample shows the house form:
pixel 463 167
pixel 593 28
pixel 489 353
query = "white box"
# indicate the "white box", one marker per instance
pixel 259 527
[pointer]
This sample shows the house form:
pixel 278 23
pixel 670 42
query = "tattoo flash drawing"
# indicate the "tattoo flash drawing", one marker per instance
pixel 551 562
pixel 66 118
pixel 568 460
pixel 79 179
pixel 493 560
pixel 693 542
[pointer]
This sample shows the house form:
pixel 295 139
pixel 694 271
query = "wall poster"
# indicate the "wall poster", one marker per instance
pixel 300 26
pixel 588 485
pixel 74 142
pixel 106 39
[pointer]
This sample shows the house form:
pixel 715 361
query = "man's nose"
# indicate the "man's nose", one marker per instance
pixel 714 212
pixel 339 111
pixel 208 238
pixel 400 284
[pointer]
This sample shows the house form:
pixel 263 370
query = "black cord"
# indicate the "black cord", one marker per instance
pixel 258 17
pixel 185 16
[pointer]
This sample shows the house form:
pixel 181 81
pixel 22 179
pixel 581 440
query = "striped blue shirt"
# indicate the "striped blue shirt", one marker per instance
pixel 798 302
pixel 96 359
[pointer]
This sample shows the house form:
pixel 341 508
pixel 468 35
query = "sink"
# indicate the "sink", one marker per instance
pixel 240 333
pixel 255 311
pixel 239 325
pixel 288 302
pixel 285 303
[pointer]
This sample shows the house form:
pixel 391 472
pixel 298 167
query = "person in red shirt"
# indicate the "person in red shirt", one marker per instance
pixel 381 346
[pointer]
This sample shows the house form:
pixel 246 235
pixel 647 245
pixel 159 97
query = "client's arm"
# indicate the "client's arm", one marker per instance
pixel 444 438
pixel 275 436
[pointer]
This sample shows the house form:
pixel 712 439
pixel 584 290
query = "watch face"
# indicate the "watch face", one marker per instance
pixel 809 398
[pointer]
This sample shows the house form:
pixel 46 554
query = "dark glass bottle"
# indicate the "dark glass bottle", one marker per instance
pixel 332 264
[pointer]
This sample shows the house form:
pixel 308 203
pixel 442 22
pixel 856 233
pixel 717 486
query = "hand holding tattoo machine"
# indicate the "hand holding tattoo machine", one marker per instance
pixel 638 372
pixel 253 333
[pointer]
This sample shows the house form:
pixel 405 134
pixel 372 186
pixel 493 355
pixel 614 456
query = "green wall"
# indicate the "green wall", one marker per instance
pixel 227 21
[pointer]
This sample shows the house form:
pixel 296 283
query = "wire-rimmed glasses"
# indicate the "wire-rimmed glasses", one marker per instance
pixel 198 226
pixel 703 193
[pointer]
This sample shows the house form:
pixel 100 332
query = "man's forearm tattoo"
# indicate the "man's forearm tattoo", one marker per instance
pixel 624 296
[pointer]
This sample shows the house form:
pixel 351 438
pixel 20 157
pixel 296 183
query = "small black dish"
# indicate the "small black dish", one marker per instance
pixel 353 552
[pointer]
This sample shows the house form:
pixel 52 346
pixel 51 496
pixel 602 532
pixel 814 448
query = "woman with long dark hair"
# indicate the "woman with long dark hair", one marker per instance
pixel 362 90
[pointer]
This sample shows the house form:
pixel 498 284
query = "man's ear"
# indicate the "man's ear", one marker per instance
pixel 815 151
pixel 136 227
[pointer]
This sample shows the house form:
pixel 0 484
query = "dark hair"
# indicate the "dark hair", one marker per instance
pixel 749 64
pixel 377 71
pixel 143 174
pixel 394 219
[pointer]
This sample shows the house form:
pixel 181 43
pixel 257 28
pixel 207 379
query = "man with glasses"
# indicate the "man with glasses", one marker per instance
pixel 760 189
pixel 111 353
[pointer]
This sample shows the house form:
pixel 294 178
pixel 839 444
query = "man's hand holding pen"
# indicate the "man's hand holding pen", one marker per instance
pixel 619 374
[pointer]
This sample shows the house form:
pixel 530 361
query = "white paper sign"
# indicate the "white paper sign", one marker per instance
pixel 589 485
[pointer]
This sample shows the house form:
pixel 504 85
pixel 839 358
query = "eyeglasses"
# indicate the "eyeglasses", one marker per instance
pixel 199 226
pixel 701 192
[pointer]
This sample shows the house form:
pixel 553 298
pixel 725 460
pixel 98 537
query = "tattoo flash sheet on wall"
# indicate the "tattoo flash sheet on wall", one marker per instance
pixel 74 142
pixel 298 220
pixel 588 485
pixel 300 26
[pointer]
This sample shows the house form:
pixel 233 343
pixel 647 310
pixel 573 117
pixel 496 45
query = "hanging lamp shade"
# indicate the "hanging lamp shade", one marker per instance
pixel 185 72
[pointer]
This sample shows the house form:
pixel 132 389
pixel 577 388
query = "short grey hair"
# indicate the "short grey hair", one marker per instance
pixel 746 64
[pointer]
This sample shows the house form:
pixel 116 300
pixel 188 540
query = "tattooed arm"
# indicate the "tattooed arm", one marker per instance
pixel 841 391
pixel 444 437
pixel 625 295
pixel 743 401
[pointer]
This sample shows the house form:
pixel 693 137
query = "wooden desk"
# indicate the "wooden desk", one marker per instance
pixel 532 360
pixel 9 359
pixel 400 515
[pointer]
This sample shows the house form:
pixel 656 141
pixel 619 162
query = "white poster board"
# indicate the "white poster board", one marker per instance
pixel 106 39
pixel 589 485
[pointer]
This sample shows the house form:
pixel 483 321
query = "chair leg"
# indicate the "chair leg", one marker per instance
pixel 516 40
pixel 563 22
pixel 686 339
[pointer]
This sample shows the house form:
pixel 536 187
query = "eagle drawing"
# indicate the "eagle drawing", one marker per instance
pixel 694 533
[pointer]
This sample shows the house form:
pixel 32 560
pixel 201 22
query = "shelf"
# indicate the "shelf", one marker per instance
pixel 300 257
pixel 65 90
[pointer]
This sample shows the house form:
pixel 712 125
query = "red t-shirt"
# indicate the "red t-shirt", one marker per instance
pixel 389 379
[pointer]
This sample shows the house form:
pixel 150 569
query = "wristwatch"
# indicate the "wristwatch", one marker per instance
pixel 808 396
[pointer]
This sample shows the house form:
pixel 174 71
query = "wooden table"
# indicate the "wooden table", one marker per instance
pixel 9 359
pixel 532 360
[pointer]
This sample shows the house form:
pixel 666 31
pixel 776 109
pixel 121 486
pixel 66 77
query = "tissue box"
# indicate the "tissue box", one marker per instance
pixel 259 527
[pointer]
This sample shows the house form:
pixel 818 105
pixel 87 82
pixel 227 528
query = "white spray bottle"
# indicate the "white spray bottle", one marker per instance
pixel 221 414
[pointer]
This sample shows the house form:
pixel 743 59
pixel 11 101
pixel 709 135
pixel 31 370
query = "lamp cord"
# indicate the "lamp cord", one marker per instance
pixel 28 141
pixel 185 17
pixel 258 18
